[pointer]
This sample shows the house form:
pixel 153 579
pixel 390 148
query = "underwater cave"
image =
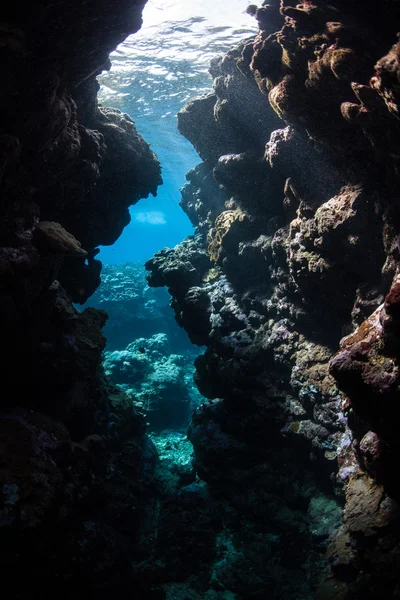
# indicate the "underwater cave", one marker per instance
pixel 200 272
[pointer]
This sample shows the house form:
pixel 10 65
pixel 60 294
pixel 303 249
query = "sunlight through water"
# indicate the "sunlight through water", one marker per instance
pixel 154 73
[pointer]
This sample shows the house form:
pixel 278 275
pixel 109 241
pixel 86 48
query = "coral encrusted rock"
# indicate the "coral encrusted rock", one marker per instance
pixel 296 209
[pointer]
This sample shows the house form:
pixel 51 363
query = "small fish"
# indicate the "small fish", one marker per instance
pixel 141 349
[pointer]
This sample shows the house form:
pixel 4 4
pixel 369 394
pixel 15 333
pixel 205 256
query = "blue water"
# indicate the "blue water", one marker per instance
pixel 154 73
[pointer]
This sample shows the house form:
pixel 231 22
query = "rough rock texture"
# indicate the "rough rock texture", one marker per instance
pixel 63 158
pixel 75 485
pixel 75 469
pixel 297 244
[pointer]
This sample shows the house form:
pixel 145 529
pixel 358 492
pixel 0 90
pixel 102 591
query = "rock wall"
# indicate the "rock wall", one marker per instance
pixel 296 246
pixel 75 469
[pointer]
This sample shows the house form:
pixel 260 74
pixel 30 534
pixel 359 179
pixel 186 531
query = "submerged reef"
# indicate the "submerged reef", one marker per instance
pixel 285 484
pixel 134 309
pixel 296 247
pixel 147 354
pixel 159 382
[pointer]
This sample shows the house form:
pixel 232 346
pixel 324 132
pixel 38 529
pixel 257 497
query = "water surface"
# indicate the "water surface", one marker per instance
pixel 154 73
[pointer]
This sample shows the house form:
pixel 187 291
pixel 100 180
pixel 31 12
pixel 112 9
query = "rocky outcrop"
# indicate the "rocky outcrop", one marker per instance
pixel 298 219
pixel 63 158
pixel 366 369
pixel 75 469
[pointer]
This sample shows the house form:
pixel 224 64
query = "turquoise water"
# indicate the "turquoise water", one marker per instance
pixel 154 73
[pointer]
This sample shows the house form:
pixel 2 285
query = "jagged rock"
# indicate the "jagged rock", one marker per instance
pixel 179 267
pixel 226 127
pixel 291 278
pixel 51 238
pixel 58 165
pixel 368 361
pixel 305 242
pixel 75 489
pixel 387 79
pixel 201 198
pixel 117 167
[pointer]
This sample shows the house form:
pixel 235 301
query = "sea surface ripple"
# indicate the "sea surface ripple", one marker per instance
pixel 154 73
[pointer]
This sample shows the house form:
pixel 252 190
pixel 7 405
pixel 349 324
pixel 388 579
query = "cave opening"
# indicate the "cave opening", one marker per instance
pixel 234 437
pixel 154 73
pixel 148 356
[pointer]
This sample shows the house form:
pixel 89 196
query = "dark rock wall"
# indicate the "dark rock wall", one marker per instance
pixel 69 171
pixel 74 468
pixel 296 209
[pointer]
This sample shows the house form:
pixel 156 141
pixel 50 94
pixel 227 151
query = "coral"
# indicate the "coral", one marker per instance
pixel 175 469
pixel 134 309
pixel 222 226
pixel 155 379
pixel 310 260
